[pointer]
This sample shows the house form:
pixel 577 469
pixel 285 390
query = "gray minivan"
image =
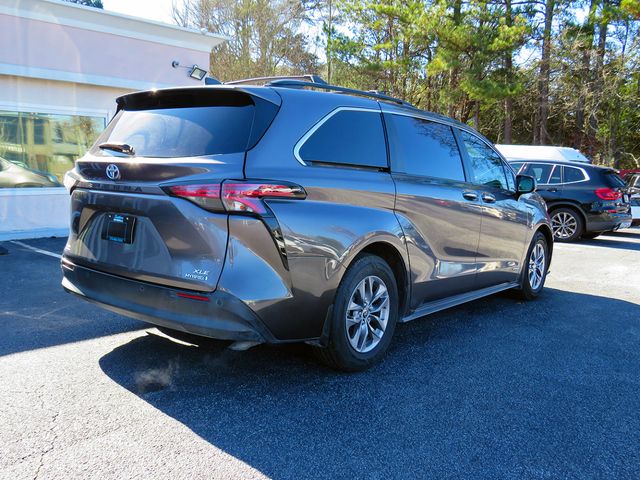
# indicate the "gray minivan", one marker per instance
pixel 296 212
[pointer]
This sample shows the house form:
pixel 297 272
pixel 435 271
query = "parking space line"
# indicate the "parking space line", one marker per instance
pixel 38 250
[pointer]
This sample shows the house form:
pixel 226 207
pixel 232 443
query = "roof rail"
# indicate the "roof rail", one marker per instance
pixel 286 83
pixel 308 78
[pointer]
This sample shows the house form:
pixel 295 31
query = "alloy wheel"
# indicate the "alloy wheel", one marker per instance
pixel 537 265
pixel 367 314
pixel 564 225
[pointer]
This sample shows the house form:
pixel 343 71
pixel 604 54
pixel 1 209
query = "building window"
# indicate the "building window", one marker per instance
pixel 36 149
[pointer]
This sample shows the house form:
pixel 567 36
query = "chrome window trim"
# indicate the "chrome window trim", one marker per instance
pixel 555 165
pixel 299 144
pixel 551 175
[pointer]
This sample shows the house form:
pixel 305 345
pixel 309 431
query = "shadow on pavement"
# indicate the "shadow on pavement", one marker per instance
pixel 35 312
pixel 634 233
pixel 494 388
pixel 609 242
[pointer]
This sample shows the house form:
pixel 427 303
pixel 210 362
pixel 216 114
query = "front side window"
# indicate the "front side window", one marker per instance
pixel 511 177
pixel 556 175
pixel 486 165
pixel 516 166
pixel 540 171
pixel 421 147
pixel 348 137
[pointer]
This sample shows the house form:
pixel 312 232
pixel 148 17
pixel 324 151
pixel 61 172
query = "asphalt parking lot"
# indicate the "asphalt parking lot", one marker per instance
pixel 493 389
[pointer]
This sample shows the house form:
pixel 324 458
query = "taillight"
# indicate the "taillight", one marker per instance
pixel 207 196
pixel 247 197
pixel 608 194
pixel 236 196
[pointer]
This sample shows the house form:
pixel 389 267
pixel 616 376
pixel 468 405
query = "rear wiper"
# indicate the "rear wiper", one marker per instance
pixel 118 147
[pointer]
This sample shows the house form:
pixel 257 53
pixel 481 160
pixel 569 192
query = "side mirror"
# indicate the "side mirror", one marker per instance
pixel 525 184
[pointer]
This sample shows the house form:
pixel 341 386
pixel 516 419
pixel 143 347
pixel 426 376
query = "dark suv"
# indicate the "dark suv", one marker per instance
pixel 280 213
pixel 583 200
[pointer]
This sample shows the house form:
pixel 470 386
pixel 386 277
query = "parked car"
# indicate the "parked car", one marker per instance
pixel 16 176
pixel 280 213
pixel 541 152
pixel 583 200
pixel 633 186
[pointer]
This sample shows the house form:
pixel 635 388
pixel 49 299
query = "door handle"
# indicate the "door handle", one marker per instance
pixel 488 198
pixel 470 195
pixel 553 190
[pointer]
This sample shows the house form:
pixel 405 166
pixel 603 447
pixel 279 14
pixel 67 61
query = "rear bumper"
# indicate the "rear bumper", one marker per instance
pixel 220 316
pixel 606 222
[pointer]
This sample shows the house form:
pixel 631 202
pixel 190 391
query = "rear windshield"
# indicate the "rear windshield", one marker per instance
pixel 180 128
pixel 613 179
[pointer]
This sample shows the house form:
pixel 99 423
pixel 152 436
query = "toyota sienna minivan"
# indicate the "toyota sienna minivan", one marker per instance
pixel 296 212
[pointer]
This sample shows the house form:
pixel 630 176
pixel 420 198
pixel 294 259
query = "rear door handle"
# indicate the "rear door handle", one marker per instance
pixel 470 195
pixel 488 198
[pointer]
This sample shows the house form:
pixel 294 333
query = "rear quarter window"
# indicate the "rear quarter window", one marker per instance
pixel 572 175
pixel 347 137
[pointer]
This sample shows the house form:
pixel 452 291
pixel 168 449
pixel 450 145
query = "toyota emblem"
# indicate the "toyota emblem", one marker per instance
pixel 113 172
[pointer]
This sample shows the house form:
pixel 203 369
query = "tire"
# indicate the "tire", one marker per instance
pixel 530 289
pixel 591 235
pixel 567 225
pixel 349 348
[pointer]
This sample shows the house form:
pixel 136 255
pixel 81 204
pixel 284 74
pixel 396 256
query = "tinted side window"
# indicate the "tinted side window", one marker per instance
pixel 516 166
pixel 572 174
pixel 485 163
pixel 556 175
pixel 421 147
pixel 511 177
pixel 540 171
pixel 348 137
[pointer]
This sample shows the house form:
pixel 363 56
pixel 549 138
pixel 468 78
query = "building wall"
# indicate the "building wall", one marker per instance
pixel 61 67
pixel 48 50
pixel 33 212
pixel 49 96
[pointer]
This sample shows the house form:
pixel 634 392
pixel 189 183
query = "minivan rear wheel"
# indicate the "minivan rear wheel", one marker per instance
pixel 364 316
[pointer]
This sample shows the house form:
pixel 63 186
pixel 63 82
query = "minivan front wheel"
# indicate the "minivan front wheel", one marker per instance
pixel 535 268
pixel 364 316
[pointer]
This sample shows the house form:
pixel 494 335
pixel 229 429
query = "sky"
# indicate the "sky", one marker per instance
pixel 159 10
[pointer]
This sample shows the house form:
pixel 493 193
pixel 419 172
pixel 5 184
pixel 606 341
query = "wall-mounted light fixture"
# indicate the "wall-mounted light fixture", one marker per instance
pixel 195 71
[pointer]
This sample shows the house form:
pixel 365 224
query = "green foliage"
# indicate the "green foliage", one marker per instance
pixel 88 3
pixel 476 60
pixel 264 35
